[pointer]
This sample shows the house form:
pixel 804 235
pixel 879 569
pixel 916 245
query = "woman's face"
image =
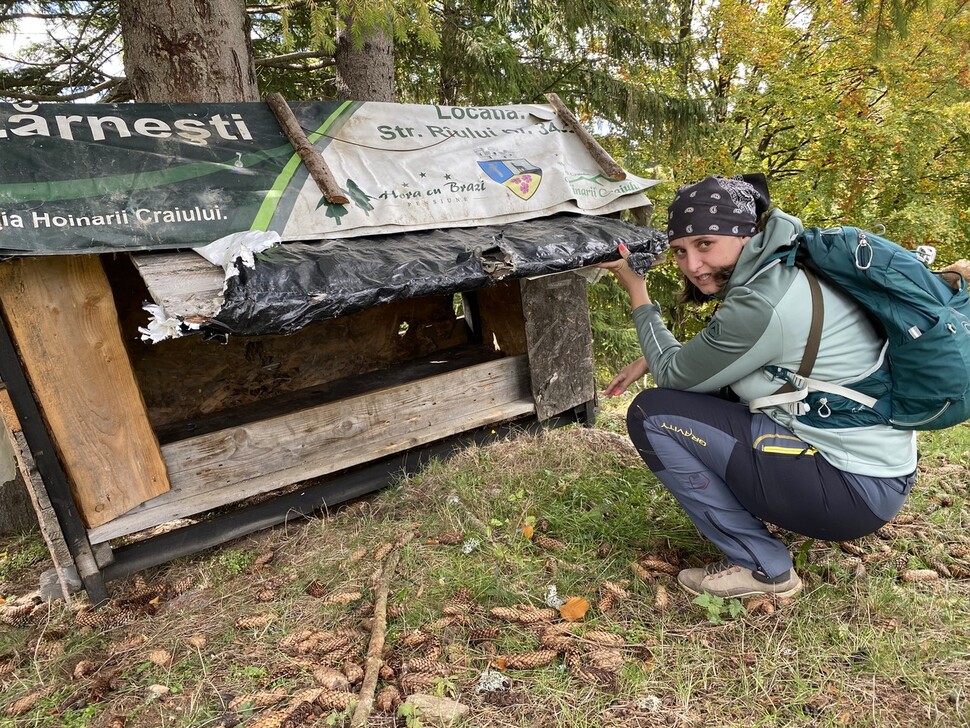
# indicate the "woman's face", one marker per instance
pixel 707 260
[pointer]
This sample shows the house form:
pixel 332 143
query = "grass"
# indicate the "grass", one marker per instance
pixel 861 646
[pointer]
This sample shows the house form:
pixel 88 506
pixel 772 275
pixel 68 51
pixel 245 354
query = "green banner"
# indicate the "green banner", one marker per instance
pixel 82 178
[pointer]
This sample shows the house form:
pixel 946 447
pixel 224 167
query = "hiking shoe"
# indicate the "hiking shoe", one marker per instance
pixel 723 579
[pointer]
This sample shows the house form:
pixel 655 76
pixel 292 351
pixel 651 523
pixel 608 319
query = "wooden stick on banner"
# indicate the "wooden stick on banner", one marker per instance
pixel 313 160
pixel 606 163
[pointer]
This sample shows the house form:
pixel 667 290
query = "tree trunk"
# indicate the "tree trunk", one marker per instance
pixel 451 55
pixel 365 72
pixel 188 51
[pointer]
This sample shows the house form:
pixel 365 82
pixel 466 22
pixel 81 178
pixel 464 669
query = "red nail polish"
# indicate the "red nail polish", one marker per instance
pixel 622 246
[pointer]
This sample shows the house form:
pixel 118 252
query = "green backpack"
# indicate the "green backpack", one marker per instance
pixel 923 382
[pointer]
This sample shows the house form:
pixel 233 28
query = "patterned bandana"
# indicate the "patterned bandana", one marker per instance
pixel 719 206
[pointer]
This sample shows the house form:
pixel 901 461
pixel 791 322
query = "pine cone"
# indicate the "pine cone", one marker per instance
pixel 600 676
pixel 198 641
pixel 606 658
pixel 440 624
pixel 432 649
pixel 162 658
pixel 762 605
pixel 331 679
pixel 322 645
pixel 7 667
pixel 347 597
pixel 388 699
pixel 119 721
pixel 315 589
pixel 548 543
pixel 642 573
pixel 532 616
pixel 26 703
pixel 17 616
pixel 661 600
pixel 414 638
pixel 416 681
pixel 604 638
pixel 616 589
pixel 506 613
pixel 661 566
pixel 182 585
pixel 452 538
pixel 382 551
pixel 270 720
pixel 483 633
pixel 256 621
pixel 851 548
pixel 530 660
pixel 357 556
pixel 291 640
pixel 914 575
pixel 261 699
pixel 265 595
pixel 387 673
pixel 353 672
pixel 457 608
pixel 557 642
pixel 606 602
pixel 427 665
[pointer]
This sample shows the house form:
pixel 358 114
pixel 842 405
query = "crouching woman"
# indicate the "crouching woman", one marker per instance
pixel 731 469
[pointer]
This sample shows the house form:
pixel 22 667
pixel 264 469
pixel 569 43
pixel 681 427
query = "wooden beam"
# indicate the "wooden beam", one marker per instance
pixel 606 163
pixel 184 284
pixel 50 527
pixel 62 317
pixel 312 159
pixel 230 465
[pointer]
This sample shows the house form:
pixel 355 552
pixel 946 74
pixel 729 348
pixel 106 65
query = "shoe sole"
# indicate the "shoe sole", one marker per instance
pixel 752 593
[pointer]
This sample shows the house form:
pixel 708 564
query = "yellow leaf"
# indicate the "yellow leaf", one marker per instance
pixel 528 531
pixel 156 600
pixel 574 609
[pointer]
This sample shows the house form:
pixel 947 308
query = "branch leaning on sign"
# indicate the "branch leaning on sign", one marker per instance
pixel 313 160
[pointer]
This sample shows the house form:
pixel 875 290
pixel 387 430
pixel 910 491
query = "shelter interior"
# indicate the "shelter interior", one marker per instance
pixel 136 453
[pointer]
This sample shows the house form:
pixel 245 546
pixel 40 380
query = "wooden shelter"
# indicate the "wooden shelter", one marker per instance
pixel 137 453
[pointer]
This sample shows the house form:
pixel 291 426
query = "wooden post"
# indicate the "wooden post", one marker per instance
pixel 62 318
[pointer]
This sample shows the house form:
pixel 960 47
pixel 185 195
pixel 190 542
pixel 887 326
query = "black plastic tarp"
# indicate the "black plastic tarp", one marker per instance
pixel 294 284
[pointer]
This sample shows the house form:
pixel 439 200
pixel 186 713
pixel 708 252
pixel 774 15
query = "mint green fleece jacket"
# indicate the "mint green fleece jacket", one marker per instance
pixel 764 319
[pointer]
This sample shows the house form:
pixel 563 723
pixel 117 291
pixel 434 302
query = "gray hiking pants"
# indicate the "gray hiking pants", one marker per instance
pixel 731 470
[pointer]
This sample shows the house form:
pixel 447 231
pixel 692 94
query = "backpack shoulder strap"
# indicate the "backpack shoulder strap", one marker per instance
pixel 814 331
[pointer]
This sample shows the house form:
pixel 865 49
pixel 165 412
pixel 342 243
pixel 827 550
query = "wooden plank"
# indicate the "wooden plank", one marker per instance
pixel 50 527
pixel 227 466
pixel 560 342
pixel 182 283
pixel 62 316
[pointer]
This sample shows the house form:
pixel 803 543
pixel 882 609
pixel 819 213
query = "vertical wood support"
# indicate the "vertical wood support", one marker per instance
pixel 560 342
pixel 54 504
pixel 61 314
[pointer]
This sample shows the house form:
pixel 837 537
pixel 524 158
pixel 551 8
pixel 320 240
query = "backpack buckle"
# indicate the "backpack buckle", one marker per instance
pixel 863 253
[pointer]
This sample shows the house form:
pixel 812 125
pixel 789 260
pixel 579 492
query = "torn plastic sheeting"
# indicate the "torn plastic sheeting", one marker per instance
pixel 292 285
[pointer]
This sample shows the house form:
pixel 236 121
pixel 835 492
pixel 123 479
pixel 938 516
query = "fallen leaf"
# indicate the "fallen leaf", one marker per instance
pixel 574 609
pixel 528 531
